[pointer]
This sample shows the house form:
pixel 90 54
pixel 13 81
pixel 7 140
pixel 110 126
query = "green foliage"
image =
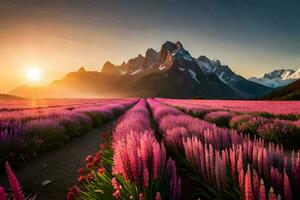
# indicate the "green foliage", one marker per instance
pixel 288 136
pixel 97 118
pixel 246 126
pixel 221 121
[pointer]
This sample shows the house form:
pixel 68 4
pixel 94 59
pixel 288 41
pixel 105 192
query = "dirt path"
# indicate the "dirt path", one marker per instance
pixel 59 166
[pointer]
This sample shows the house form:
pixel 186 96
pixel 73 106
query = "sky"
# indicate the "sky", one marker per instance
pixel 59 36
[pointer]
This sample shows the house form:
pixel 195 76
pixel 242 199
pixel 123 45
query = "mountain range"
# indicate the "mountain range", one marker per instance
pixel 278 78
pixel 170 72
pixel 9 97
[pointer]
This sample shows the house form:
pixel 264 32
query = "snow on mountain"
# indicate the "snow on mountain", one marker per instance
pixel 273 83
pixel 277 78
pixel 295 75
pixel 230 78
pixel 161 67
pixel 193 75
pixel 280 73
pixel 136 71
pixel 224 73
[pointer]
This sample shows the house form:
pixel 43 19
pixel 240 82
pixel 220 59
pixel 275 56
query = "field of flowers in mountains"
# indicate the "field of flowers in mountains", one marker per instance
pixel 164 148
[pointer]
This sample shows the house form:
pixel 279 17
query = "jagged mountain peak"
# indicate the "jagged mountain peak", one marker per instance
pixel 108 64
pixel 213 66
pixel 277 78
pixel 109 68
pixel 150 51
pixel 140 56
pixel 81 69
pixel 279 73
pixel 166 49
pixel 203 58
pixel 151 58
pixel 179 45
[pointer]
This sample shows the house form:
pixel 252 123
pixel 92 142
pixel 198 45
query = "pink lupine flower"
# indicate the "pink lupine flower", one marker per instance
pixel 175 182
pixel 117 194
pixel 287 194
pixel 256 184
pixel 80 171
pixel 265 164
pixel 217 172
pixel 81 179
pixel 133 157
pixel 156 159
pixel 89 165
pixel 272 176
pixel 211 164
pixel 223 167
pixel 262 191
pixel 73 193
pixel 145 177
pixel 278 180
pixel 89 159
pixel 14 184
pixel 207 164
pixel 242 181
pixel 101 171
pixel 248 185
pixel 240 161
pixel 232 162
pixel 157 197
pixel 141 196
pixel 271 195
pixel 2 193
pixel 260 162
pixel 114 183
pixel 254 157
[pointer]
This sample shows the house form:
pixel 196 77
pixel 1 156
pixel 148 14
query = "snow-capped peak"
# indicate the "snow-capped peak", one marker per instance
pixel 223 72
pixel 295 75
pixel 278 78
pixel 280 73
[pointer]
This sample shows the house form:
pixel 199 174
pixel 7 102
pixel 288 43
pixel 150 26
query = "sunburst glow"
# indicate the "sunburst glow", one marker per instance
pixel 34 74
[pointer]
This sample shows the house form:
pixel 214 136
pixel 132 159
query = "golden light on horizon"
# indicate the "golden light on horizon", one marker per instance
pixel 34 74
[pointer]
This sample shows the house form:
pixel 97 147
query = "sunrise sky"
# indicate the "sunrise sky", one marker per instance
pixel 59 36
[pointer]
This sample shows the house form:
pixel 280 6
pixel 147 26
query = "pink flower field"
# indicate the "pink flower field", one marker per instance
pixel 159 149
pixel 274 107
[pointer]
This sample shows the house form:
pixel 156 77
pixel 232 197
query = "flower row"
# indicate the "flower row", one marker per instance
pixel 138 166
pixel 37 135
pixel 209 152
pixel 278 131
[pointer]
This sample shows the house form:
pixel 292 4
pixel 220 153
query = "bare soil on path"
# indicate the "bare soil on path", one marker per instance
pixel 59 166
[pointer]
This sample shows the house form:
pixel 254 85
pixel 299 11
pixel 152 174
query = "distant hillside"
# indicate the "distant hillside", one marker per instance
pixel 289 92
pixel 6 96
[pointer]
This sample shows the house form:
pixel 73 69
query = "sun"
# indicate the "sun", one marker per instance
pixel 34 74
